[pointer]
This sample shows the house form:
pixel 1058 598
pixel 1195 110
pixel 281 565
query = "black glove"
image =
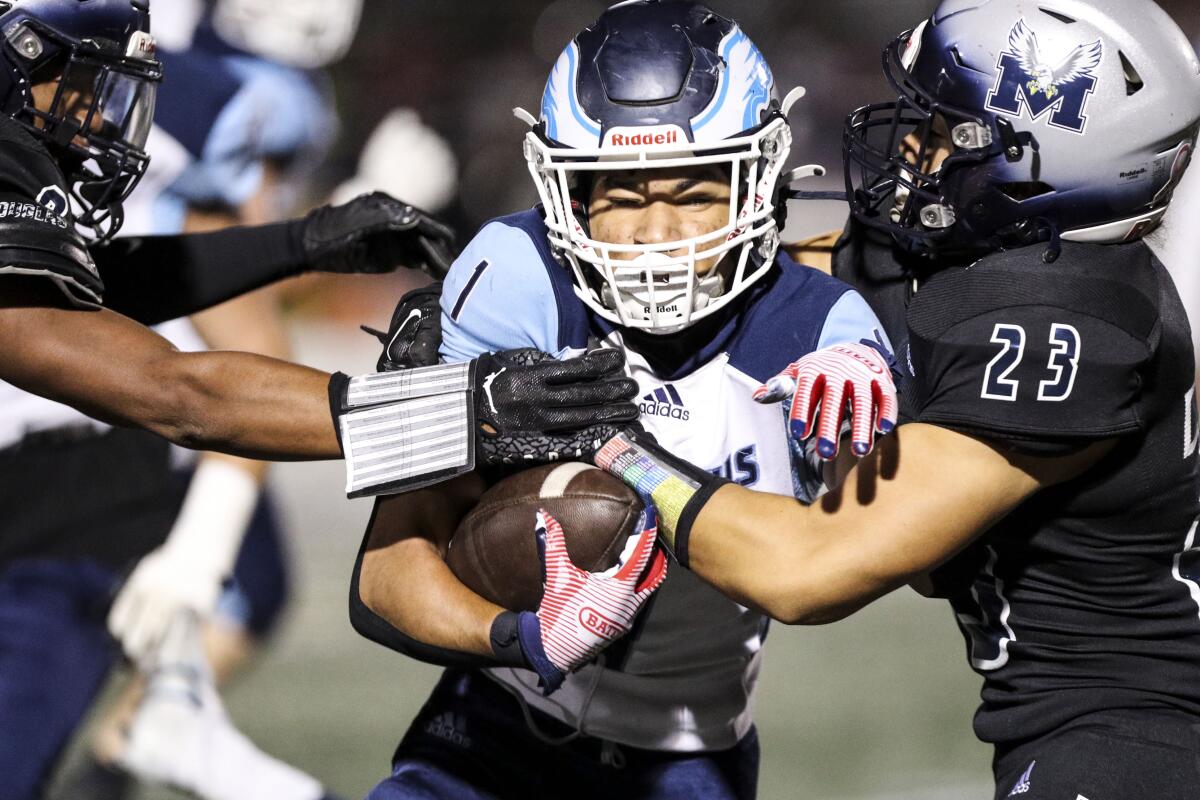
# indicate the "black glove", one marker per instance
pixel 415 333
pixel 530 407
pixel 376 233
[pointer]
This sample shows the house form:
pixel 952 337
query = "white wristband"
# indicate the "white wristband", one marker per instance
pixel 379 388
pixel 216 511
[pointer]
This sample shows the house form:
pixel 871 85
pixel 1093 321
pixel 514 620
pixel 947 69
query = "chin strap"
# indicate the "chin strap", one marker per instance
pixel 808 171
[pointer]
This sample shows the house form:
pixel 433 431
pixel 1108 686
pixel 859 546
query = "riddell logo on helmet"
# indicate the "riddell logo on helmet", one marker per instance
pixel 599 624
pixel 644 137
pixel 141 45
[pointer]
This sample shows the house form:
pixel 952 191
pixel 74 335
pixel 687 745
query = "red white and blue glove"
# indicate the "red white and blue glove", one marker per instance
pixel 582 612
pixel 823 384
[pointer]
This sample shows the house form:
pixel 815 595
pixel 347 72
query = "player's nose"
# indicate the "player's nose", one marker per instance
pixel 659 223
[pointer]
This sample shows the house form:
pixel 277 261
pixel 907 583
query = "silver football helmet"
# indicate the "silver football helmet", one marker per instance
pixel 1070 117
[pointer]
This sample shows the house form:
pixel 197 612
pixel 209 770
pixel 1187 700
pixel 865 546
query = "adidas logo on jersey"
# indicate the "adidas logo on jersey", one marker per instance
pixel 448 726
pixel 1023 785
pixel 664 402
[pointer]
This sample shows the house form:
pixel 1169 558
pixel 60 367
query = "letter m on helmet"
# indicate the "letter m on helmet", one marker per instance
pixel 1028 80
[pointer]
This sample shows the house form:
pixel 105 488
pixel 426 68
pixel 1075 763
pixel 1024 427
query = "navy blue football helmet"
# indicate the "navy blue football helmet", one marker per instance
pixel 655 84
pixel 81 76
pixel 1018 123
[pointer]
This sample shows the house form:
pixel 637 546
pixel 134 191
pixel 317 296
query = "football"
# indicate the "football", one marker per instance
pixel 494 549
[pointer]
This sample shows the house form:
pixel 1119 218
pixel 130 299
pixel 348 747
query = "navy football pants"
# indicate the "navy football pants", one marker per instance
pixel 55 651
pixel 54 655
pixel 470 742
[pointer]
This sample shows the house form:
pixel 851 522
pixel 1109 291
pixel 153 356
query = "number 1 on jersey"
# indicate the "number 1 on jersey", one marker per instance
pixel 1064 360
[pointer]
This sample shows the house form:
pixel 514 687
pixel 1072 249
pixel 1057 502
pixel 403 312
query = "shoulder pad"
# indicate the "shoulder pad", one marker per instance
pixel 1029 353
pixel 793 311
pixel 36 237
pixel 506 291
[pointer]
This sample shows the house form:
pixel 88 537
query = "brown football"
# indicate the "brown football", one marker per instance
pixel 494 550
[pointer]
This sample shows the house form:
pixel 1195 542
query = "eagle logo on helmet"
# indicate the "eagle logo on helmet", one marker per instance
pixel 1029 78
pixel 1047 78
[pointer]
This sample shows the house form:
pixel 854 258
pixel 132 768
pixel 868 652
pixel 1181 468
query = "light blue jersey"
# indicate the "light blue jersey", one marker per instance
pixel 203 146
pixel 684 679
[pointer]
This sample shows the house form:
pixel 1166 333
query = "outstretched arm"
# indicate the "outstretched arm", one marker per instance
pixel 115 370
pixel 920 498
pixel 156 278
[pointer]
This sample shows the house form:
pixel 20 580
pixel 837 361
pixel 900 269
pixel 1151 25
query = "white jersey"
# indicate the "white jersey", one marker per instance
pixel 684 679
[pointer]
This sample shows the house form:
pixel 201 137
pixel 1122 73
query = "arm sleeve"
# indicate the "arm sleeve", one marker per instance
pixel 153 279
pixel 1040 378
pixel 498 296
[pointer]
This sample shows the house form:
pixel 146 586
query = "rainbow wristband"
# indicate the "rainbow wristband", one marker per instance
pixel 676 488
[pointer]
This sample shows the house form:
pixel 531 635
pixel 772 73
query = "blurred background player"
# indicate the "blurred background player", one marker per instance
pixel 211 168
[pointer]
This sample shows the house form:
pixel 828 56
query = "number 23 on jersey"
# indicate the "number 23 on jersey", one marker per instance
pixel 1065 346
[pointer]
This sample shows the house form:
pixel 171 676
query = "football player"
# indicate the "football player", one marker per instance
pixel 658 157
pixel 222 143
pixel 1046 482
pixel 78 90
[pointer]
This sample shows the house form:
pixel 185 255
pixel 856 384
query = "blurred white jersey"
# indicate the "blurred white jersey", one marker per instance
pixel 684 679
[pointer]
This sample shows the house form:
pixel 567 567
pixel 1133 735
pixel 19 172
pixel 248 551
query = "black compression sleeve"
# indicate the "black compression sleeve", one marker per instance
pixel 374 627
pixel 153 279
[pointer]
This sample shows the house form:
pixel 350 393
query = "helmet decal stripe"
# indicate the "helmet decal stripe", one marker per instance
pixel 562 84
pixel 744 65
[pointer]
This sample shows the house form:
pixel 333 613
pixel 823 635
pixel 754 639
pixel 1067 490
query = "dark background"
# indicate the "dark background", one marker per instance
pixel 464 66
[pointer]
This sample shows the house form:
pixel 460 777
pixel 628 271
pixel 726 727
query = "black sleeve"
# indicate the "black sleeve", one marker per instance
pixel 36 237
pixel 1040 362
pixel 153 279
pixel 374 627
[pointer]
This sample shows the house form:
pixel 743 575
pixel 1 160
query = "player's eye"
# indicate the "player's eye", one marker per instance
pixel 625 200
pixel 700 200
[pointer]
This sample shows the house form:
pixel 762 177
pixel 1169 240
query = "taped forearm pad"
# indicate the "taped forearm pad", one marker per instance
pixel 407 429
pixel 677 488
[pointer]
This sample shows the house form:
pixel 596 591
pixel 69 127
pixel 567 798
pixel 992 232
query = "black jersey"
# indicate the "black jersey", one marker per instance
pixel 36 235
pixel 1085 597
pixel 73 493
